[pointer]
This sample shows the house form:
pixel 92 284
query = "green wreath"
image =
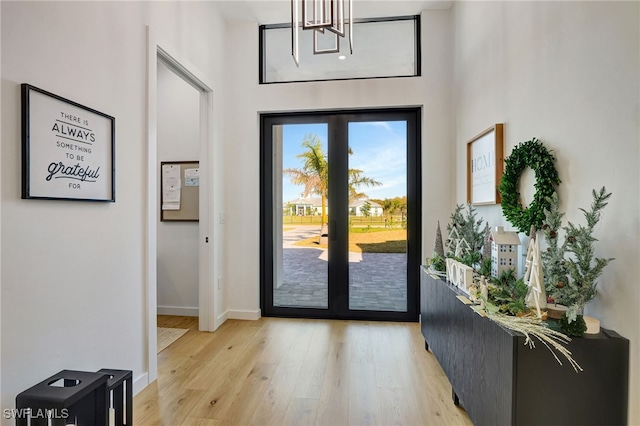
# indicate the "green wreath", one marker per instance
pixel 534 155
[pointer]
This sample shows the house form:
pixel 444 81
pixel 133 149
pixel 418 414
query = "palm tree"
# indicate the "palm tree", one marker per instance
pixel 356 180
pixel 314 174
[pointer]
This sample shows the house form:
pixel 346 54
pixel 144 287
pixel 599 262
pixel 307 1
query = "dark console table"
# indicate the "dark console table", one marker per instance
pixel 501 381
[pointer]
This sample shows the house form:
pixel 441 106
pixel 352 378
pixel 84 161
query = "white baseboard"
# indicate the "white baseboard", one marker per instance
pixel 221 319
pixel 141 382
pixel 178 310
pixel 243 314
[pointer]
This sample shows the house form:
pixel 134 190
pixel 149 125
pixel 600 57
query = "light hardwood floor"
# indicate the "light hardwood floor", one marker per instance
pixel 278 371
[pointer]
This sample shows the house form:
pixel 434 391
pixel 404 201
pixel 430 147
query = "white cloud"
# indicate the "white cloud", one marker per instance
pixel 386 165
pixel 384 124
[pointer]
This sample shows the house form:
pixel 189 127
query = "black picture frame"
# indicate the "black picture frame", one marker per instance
pixel 68 149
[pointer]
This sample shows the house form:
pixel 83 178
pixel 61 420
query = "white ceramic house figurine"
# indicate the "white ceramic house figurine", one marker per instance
pixel 504 251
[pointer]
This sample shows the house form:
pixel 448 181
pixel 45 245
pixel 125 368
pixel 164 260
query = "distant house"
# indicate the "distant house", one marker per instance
pixel 303 206
pixel 504 251
pixel 356 208
pixel 312 206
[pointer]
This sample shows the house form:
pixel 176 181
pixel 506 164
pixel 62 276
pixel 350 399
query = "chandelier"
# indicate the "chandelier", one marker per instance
pixel 320 16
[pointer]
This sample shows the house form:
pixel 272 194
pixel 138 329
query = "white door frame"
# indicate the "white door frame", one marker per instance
pixel 160 51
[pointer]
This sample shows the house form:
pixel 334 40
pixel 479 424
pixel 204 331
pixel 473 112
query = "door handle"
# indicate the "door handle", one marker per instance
pixel 332 230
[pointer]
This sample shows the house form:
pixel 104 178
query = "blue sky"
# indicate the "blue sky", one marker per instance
pixel 379 149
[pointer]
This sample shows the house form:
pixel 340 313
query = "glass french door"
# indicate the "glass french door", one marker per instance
pixel 340 214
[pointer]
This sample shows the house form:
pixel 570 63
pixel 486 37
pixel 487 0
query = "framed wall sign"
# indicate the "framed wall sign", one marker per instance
pixel 485 163
pixel 67 149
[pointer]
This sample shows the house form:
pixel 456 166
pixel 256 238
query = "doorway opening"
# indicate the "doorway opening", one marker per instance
pixel 178 145
pixel 205 262
pixel 340 219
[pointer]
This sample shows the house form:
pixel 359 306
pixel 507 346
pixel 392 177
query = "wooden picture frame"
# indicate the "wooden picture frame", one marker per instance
pixel 68 149
pixel 485 164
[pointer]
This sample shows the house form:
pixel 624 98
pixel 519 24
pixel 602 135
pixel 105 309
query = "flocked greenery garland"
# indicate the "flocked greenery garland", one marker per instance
pixel 534 155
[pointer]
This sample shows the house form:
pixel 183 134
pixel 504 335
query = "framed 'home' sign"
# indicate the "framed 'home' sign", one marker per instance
pixel 67 149
pixel 485 164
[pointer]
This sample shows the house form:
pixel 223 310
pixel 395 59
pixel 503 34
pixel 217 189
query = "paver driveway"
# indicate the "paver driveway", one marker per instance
pixel 377 281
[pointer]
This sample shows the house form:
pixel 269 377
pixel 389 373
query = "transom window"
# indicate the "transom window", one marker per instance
pixel 383 47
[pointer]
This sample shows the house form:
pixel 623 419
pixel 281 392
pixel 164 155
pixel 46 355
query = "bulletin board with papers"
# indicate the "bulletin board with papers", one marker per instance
pixel 179 191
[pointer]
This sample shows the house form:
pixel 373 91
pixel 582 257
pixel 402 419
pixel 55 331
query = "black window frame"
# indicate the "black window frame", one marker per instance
pixel 417 53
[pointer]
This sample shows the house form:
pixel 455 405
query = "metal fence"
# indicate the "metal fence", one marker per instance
pixel 396 221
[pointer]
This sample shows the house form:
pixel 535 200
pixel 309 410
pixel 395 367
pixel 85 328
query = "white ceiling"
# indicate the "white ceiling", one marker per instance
pixel 279 11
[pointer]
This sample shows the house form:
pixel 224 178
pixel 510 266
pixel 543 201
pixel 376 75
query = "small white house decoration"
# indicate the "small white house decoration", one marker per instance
pixel 504 251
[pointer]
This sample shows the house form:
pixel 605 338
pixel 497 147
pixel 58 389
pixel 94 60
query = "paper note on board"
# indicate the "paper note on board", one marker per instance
pixel 171 199
pixel 171 175
pixel 192 177
pixel 171 187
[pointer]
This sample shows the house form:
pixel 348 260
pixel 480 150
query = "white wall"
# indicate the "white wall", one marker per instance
pixel 567 73
pixel 432 91
pixel 178 140
pixel 73 273
pixel 1 216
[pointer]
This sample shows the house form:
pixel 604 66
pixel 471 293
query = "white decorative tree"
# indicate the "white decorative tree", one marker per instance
pixel 533 277
pixel 460 244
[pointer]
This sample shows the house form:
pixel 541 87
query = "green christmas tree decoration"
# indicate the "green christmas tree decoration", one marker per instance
pixel 455 220
pixel 583 267
pixel 571 268
pixel 439 247
pixel 553 263
pixel 468 228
